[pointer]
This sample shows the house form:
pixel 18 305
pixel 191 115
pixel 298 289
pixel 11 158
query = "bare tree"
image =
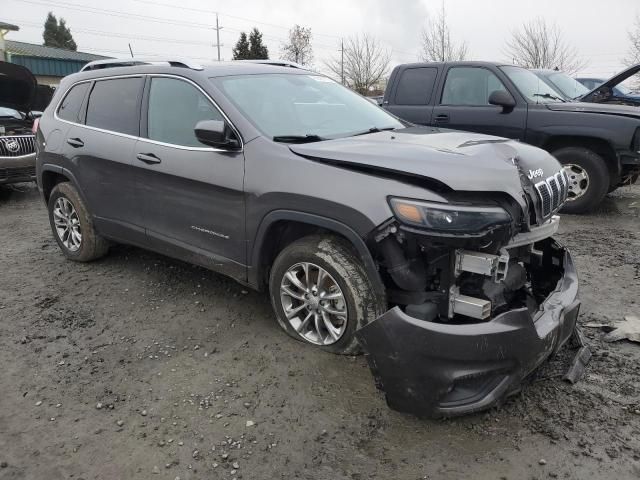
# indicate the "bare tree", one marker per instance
pixel 541 45
pixel 298 49
pixel 365 63
pixel 437 45
pixel 633 55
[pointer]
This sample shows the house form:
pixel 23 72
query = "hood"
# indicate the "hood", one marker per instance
pixel 602 108
pixel 612 82
pixel 462 161
pixel 17 87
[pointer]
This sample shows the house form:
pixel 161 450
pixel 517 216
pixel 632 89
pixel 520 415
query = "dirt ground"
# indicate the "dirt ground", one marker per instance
pixel 137 366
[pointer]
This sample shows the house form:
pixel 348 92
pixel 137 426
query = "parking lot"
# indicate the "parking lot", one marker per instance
pixel 138 366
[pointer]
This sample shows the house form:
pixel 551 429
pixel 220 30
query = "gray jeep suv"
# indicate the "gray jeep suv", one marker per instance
pixel 429 249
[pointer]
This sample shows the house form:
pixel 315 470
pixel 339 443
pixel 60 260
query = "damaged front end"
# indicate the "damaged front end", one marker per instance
pixel 475 311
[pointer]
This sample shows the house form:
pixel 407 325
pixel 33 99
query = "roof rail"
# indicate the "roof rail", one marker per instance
pixel 129 62
pixel 277 63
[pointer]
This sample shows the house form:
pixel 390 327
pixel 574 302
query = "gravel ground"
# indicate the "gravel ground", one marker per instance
pixel 139 366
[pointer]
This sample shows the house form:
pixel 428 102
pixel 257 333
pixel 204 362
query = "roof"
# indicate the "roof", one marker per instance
pixel 8 26
pixel 33 50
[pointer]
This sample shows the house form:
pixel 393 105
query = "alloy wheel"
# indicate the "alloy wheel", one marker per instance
pixel 313 303
pixel 67 224
pixel 578 180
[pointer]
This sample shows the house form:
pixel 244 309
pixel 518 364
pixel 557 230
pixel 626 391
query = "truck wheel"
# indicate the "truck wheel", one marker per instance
pixel 588 178
pixel 321 293
pixel 72 226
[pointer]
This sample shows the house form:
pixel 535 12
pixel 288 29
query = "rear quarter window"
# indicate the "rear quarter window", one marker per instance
pixel 69 108
pixel 415 86
pixel 114 105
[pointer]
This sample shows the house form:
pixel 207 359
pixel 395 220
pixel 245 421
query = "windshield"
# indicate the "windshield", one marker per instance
pixel 532 86
pixel 313 107
pixel 568 86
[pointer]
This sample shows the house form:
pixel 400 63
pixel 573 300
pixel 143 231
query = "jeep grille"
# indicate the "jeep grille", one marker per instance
pixel 553 193
pixel 17 145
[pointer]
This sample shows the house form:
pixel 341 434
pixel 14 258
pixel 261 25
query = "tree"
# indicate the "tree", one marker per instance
pixel 633 55
pixel 257 50
pixel 541 45
pixel 241 50
pixel 437 45
pixel 299 48
pixel 57 34
pixel 365 63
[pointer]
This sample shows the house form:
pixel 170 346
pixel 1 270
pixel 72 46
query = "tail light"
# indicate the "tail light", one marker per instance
pixel 34 127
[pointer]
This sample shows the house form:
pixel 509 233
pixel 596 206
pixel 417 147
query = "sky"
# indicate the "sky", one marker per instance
pixel 185 28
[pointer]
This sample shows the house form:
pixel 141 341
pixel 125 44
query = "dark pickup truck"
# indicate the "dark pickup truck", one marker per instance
pixel 598 144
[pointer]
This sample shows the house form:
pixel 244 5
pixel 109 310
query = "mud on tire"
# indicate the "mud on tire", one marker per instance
pixel 92 245
pixel 338 259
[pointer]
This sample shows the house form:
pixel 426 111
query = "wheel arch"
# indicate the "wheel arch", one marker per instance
pixel 52 175
pixel 598 145
pixel 281 227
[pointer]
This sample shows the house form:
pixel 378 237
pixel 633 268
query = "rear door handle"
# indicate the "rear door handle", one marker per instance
pixel 148 158
pixel 75 142
pixel 442 118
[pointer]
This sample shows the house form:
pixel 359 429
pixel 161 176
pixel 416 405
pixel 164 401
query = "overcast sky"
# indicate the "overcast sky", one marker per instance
pixel 182 28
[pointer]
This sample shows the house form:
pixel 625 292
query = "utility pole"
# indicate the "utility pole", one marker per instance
pixel 217 29
pixel 342 61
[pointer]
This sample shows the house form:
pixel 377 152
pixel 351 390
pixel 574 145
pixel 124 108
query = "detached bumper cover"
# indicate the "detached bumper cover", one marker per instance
pixel 436 369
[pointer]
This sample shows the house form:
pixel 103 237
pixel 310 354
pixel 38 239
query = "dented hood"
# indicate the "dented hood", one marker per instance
pixel 17 87
pixel 462 161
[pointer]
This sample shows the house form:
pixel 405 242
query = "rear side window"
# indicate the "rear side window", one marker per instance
pixel 114 105
pixel 70 107
pixel 175 107
pixel 415 86
pixel 470 86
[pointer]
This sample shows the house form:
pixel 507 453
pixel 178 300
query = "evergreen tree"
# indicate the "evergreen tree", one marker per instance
pixel 241 50
pixel 257 50
pixel 57 34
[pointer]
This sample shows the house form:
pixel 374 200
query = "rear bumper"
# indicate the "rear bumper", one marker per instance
pixel 18 169
pixel 436 369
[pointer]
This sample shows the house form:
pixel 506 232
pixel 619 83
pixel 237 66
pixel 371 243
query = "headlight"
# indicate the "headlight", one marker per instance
pixel 442 217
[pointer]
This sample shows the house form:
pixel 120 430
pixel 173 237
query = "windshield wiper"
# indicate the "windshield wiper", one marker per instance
pixel 373 130
pixel 308 138
pixel 548 95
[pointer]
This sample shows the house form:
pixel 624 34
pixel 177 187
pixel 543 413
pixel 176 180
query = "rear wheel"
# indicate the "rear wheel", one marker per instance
pixel 321 293
pixel 588 178
pixel 72 226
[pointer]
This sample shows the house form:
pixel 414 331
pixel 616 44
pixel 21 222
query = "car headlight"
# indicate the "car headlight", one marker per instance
pixel 448 218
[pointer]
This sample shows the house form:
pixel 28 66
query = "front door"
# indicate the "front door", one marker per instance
pixel 192 194
pixel 464 105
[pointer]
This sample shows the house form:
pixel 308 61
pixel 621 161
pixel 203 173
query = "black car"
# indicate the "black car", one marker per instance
pixel 430 250
pixel 598 143
pixel 18 89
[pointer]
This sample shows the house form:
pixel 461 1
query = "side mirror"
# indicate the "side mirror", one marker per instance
pixel 216 133
pixel 503 99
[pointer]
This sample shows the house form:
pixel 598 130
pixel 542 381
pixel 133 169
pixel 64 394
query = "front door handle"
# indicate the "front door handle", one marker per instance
pixel 75 142
pixel 148 158
pixel 442 118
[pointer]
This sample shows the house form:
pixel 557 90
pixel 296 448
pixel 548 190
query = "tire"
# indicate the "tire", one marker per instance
pixel 598 182
pixel 346 276
pixel 90 246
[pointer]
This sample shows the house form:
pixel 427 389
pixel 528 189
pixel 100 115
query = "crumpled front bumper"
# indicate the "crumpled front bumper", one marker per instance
pixel 438 370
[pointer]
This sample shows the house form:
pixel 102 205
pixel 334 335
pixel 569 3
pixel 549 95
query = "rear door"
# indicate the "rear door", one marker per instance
pixel 464 104
pixel 101 147
pixel 192 194
pixel 412 94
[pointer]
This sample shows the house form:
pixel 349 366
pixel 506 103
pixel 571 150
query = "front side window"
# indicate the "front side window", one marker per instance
pixel 114 105
pixel 299 105
pixel 70 107
pixel 470 86
pixel 175 107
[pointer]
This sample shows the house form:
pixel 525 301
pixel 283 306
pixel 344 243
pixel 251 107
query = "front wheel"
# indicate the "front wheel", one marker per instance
pixel 588 178
pixel 321 293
